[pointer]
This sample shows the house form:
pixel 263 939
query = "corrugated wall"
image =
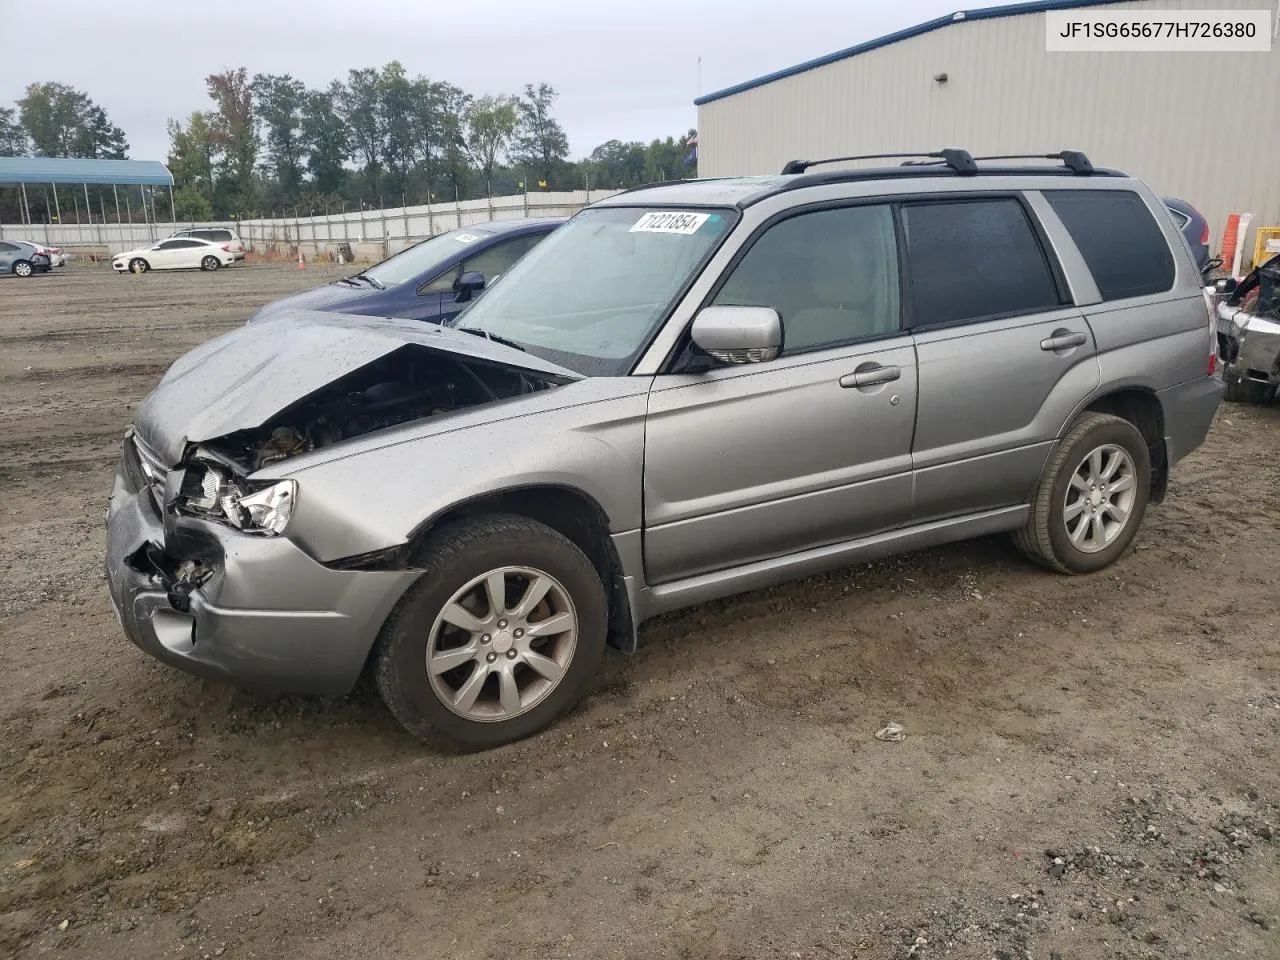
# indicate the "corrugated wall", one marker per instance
pixel 1204 127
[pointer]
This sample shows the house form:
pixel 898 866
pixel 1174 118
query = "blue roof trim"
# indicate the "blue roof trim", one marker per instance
pixel 960 16
pixel 15 170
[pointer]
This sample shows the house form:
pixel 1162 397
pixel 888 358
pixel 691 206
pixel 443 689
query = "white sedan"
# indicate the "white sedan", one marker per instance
pixel 178 253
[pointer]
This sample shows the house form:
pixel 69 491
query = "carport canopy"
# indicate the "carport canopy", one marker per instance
pixel 55 171
pixel 15 171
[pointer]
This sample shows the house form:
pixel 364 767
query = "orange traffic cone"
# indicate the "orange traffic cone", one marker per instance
pixel 302 264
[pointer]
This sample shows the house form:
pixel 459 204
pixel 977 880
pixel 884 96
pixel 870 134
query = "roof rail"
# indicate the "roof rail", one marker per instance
pixel 957 160
pixel 1074 160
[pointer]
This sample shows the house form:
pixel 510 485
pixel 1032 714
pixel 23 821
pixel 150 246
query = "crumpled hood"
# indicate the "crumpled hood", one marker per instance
pixel 240 380
pixel 327 296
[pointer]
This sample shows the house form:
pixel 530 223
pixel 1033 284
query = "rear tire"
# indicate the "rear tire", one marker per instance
pixel 1084 516
pixel 23 268
pixel 138 265
pixel 210 263
pixel 521 678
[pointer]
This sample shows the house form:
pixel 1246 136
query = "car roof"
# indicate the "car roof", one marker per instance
pixel 744 191
pixel 1181 206
pixel 515 225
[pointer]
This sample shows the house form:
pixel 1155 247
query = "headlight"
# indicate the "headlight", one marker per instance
pixel 214 494
pixel 266 511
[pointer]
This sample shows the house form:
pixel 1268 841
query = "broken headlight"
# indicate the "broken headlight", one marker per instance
pixel 212 492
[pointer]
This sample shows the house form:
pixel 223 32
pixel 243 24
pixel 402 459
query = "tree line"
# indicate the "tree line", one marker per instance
pixel 268 144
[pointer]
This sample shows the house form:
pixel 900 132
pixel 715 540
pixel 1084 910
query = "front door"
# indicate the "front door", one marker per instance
pixel 749 462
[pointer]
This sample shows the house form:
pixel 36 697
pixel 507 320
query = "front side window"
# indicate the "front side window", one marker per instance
pixel 974 260
pixel 1119 239
pixel 493 262
pixel 831 275
pixel 593 292
pixel 425 258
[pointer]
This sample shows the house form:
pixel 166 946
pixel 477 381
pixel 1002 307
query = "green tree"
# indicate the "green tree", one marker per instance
pixel 280 100
pixel 616 164
pixel 235 135
pixel 400 148
pixel 13 139
pixel 190 205
pixel 490 124
pixel 665 159
pixel 539 144
pixel 326 139
pixel 191 154
pixel 62 121
pixel 359 103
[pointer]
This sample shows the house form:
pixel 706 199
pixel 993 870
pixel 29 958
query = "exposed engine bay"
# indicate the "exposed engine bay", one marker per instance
pixel 408 384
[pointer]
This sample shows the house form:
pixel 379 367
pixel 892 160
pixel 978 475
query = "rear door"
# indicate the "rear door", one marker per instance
pixel 752 461
pixel 1149 312
pixel 8 253
pixel 1004 357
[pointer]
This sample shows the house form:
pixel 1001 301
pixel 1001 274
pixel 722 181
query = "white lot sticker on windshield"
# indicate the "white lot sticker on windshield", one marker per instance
pixel 670 221
pixel 466 238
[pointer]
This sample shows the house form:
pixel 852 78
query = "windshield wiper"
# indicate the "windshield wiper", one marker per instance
pixel 370 280
pixel 489 336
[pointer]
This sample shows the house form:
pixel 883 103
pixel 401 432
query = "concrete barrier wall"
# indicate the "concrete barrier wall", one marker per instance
pixel 371 234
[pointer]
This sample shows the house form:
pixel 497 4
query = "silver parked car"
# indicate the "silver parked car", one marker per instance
pixel 687 391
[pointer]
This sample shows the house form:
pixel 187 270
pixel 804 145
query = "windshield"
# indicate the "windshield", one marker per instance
pixel 426 257
pixel 590 295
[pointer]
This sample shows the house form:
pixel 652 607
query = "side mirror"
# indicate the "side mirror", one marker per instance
pixel 738 334
pixel 467 287
pixel 1226 286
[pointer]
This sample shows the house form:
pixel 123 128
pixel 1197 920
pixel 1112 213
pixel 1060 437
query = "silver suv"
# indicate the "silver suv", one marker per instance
pixel 687 391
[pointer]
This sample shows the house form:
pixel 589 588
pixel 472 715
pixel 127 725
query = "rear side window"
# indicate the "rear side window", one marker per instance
pixel 217 235
pixel 975 260
pixel 1119 239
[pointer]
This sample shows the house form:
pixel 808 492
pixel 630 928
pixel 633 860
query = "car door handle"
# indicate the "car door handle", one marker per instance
pixel 1063 340
pixel 870 374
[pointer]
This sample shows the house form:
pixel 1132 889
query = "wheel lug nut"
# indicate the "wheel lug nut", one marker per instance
pixel 502 624
pixel 485 638
pixel 491 657
pixel 511 654
pixel 518 634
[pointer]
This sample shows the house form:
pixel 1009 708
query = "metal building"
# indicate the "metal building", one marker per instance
pixel 1204 127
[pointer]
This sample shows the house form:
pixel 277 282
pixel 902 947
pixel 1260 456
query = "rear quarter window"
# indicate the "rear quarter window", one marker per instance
pixel 1119 239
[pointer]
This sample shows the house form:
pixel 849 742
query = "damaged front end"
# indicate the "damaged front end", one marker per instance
pixel 202 569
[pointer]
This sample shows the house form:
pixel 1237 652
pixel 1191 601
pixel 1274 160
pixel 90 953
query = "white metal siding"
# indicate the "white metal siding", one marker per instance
pixel 1204 127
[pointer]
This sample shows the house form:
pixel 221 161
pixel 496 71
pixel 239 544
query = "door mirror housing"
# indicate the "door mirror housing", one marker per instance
pixel 468 286
pixel 738 334
pixel 1226 286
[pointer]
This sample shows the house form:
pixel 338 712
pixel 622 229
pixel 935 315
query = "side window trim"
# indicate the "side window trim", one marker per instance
pixel 1047 253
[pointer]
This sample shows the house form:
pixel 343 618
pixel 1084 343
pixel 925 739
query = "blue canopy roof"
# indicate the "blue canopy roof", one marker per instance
pixel 15 170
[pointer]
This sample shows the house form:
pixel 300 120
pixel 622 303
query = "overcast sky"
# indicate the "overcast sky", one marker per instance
pixel 624 70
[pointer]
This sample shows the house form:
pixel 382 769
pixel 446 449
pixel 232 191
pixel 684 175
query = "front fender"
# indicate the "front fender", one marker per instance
pixel 376 498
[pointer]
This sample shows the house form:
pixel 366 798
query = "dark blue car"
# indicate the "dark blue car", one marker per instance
pixel 432 280
pixel 1193 226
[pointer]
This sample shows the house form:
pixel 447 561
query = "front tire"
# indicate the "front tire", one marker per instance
pixel 1091 498
pixel 22 268
pixel 210 263
pixel 499 637
pixel 138 265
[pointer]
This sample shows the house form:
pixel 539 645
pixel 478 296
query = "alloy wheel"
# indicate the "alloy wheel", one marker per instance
pixel 1100 498
pixel 501 644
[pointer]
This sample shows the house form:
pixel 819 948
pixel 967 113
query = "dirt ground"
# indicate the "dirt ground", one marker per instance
pixel 721 794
